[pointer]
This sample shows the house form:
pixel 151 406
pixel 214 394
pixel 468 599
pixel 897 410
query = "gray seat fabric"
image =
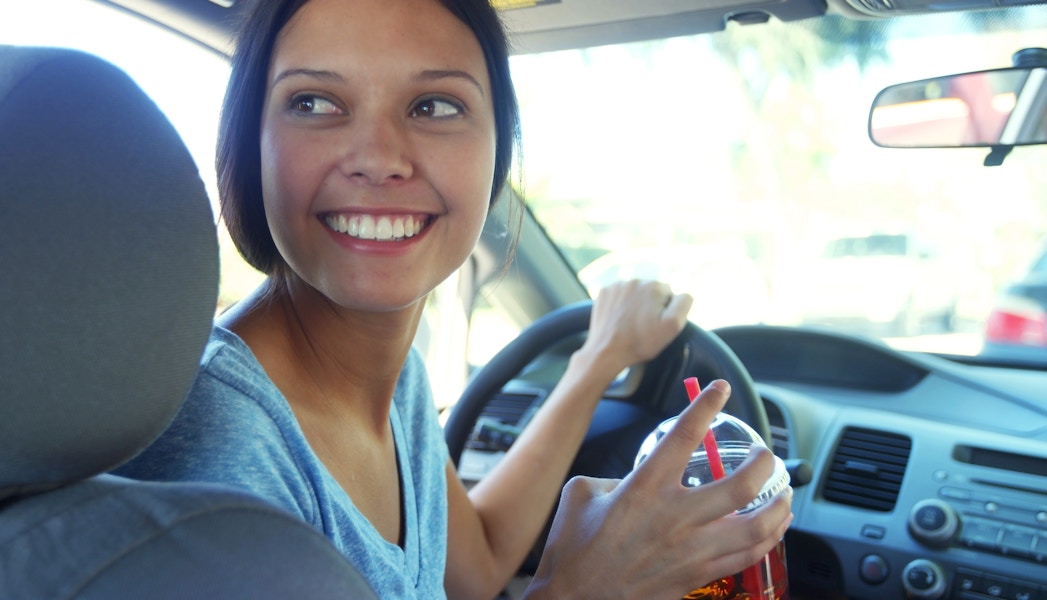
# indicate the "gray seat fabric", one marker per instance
pixel 108 285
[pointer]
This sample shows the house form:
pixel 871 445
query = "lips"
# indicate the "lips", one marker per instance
pixel 381 228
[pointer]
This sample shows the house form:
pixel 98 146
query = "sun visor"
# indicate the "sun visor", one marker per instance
pixel 546 25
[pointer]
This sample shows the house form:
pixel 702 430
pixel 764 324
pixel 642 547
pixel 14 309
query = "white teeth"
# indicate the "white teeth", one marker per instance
pixel 383 228
pixel 366 228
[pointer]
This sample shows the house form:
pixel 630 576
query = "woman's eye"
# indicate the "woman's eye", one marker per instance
pixel 308 104
pixel 435 108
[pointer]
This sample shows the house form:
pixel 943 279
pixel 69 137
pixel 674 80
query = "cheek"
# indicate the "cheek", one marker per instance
pixel 289 170
pixel 471 171
pixel 286 184
pixel 276 170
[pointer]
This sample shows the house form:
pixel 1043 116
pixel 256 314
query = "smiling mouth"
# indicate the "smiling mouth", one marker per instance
pixel 381 228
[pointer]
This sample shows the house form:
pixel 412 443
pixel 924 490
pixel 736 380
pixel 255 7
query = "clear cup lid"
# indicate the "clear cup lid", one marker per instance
pixel 729 432
pixel 734 439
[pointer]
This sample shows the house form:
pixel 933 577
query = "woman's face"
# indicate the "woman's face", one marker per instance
pixel 377 148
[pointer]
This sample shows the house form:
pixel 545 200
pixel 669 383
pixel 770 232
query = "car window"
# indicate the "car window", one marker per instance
pixel 655 156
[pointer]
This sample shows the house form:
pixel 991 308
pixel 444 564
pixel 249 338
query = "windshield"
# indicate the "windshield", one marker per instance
pixel 738 167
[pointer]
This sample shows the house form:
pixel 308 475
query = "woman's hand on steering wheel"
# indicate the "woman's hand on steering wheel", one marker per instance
pixel 632 321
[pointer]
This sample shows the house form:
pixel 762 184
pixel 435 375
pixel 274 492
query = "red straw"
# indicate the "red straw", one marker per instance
pixel 715 462
pixel 753 576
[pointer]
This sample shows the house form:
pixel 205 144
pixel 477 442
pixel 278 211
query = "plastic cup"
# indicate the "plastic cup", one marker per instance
pixel 768 578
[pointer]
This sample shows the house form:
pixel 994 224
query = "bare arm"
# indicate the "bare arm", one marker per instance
pixel 491 528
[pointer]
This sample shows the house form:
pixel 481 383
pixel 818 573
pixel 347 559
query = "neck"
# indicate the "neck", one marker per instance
pixel 328 361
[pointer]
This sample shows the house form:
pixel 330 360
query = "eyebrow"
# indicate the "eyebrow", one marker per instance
pixel 313 73
pixel 434 74
pixel 426 75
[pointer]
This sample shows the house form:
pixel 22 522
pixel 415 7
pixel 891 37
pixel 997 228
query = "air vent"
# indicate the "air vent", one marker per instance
pixel 779 430
pixel 510 409
pixel 502 420
pixel 868 468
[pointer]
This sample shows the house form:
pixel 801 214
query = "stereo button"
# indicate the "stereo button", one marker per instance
pixel 996 588
pixel 923 579
pixel 968 581
pixel 1039 547
pixel 1024 591
pixel 874 569
pixel 952 493
pixel 1017 541
pixel 933 522
pixel 980 533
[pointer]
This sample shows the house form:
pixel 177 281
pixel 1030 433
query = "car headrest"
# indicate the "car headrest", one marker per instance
pixel 108 264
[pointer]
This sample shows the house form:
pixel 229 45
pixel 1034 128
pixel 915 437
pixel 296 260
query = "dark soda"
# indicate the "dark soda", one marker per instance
pixel 766 580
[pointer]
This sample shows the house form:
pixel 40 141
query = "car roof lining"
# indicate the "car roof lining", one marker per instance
pixel 544 25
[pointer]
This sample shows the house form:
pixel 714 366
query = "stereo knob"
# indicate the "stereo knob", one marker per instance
pixel 923 579
pixel 933 523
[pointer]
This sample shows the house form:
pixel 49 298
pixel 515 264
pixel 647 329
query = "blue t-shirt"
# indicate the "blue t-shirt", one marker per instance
pixel 237 428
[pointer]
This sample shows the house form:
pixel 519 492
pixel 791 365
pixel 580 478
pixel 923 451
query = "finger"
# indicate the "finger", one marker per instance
pixel 630 296
pixel 678 306
pixel 672 318
pixel 737 541
pixel 753 541
pixel 659 289
pixel 738 489
pixel 667 462
pixel 723 565
pixel 650 293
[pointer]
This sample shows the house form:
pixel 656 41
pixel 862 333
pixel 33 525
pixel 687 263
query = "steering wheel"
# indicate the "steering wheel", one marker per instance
pixel 619 425
pixel 659 395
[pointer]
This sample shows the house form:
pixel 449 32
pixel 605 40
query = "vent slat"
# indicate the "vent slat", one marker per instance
pixel 871 446
pixel 868 469
pixel 779 430
pixel 509 408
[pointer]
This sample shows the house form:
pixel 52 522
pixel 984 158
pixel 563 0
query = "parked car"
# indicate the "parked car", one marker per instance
pixel 919 464
pixel 895 282
pixel 1017 325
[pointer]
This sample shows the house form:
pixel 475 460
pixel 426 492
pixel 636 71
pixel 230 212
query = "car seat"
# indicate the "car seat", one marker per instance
pixel 108 286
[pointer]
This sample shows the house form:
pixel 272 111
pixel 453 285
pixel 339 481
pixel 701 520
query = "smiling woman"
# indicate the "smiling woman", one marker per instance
pixel 310 392
pixel 733 163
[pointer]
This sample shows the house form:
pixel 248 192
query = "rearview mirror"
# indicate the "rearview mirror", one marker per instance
pixel 1000 107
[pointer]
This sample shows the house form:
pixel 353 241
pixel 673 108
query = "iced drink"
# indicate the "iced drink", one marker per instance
pixel 767 579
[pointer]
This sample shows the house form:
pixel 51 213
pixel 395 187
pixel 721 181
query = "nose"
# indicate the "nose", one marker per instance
pixel 377 151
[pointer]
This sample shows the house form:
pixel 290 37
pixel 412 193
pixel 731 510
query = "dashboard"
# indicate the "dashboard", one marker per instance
pixel 927 476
